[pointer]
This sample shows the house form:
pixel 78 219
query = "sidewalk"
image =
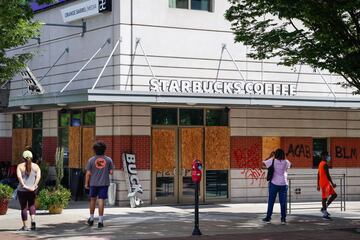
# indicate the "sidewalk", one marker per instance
pixel 218 221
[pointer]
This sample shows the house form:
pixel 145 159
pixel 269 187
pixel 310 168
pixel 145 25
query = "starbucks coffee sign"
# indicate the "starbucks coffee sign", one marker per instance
pixel 222 87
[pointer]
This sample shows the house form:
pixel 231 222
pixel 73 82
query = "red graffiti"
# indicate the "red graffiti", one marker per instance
pixel 249 160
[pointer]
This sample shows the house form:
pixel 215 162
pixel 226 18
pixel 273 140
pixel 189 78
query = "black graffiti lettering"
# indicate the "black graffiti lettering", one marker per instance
pixel 354 152
pixel 307 151
pixel 299 151
pixel 338 152
pixel 290 151
pixel 345 153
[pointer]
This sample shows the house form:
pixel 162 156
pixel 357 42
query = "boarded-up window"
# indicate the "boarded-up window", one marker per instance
pixel 298 150
pixel 345 152
pixel 191 146
pixel 74 147
pixel 163 149
pixel 217 148
pixel 88 138
pixel 21 137
pixel 269 144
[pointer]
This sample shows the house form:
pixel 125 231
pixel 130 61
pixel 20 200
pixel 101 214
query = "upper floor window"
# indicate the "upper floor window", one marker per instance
pixel 205 5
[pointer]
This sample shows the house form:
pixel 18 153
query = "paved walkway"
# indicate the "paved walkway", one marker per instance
pixel 219 221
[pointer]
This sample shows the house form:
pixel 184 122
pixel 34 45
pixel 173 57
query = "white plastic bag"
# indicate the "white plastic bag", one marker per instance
pixel 112 194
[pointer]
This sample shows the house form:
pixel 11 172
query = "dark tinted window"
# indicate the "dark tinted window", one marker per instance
pixel 191 117
pixel 164 116
pixel 179 4
pixel 76 118
pixel 28 120
pixel 18 121
pixel 37 120
pixel 319 145
pixel 37 144
pixel 201 5
pixel 64 118
pixel 217 117
pixel 217 184
pixel 89 117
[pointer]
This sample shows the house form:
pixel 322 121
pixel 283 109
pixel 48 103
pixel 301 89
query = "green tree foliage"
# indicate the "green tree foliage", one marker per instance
pixel 324 34
pixel 16 28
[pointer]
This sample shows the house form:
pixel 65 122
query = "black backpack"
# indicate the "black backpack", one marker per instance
pixel 270 172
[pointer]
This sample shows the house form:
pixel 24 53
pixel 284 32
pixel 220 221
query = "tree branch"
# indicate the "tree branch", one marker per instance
pixel 356 22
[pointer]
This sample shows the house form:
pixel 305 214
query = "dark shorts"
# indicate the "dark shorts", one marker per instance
pixel 101 192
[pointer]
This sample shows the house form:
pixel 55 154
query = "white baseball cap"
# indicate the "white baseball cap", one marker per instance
pixel 27 154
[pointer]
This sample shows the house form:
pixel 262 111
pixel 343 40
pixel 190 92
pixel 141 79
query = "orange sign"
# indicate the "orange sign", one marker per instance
pixel 100 163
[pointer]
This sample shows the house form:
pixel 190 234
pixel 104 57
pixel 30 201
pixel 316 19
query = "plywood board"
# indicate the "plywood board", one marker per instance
pixel 269 144
pixel 217 148
pixel 298 150
pixel 163 150
pixel 74 147
pixel 21 137
pixel 88 138
pixel 191 146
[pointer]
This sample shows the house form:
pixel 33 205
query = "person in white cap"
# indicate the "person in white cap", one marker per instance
pixel 28 174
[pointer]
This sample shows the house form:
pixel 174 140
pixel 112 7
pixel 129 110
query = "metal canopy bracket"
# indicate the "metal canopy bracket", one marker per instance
pixel 82 68
pixel 326 83
pixel 138 43
pixel 106 63
pixel 223 48
pixel 82 26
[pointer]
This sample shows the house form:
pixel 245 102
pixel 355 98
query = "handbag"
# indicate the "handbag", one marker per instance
pixel 270 172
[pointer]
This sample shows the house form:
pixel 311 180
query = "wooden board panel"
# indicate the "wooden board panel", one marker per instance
pixel 74 147
pixel 163 149
pixel 191 146
pixel 217 148
pixel 269 144
pixel 21 137
pixel 88 138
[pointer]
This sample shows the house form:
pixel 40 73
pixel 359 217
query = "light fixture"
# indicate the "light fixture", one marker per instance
pixel 277 106
pixel 354 108
pixel 191 103
pixel 23 107
pixel 62 104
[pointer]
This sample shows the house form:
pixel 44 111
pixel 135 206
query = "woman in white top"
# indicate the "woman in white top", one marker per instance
pixel 28 174
pixel 278 184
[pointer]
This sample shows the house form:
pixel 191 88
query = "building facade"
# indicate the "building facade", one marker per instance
pixel 163 80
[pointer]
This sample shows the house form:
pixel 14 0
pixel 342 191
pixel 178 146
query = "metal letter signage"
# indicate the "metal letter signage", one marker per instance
pixel 85 9
pixel 132 180
pixel 221 87
pixel 34 86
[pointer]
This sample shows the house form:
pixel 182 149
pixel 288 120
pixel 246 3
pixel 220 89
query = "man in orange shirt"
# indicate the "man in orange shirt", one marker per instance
pixel 326 184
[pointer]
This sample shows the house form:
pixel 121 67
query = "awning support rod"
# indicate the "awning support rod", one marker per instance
pixel 326 83
pixel 138 43
pixel 65 51
pixel 233 60
pixel 146 58
pixel 298 76
pixel 131 64
pixel 221 56
pixel 107 62
pixel 82 68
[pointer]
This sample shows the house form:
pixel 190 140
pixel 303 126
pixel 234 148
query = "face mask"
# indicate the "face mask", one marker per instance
pixel 328 158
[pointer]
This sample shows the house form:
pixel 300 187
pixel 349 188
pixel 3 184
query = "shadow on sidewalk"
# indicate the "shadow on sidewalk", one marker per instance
pixel 149 224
